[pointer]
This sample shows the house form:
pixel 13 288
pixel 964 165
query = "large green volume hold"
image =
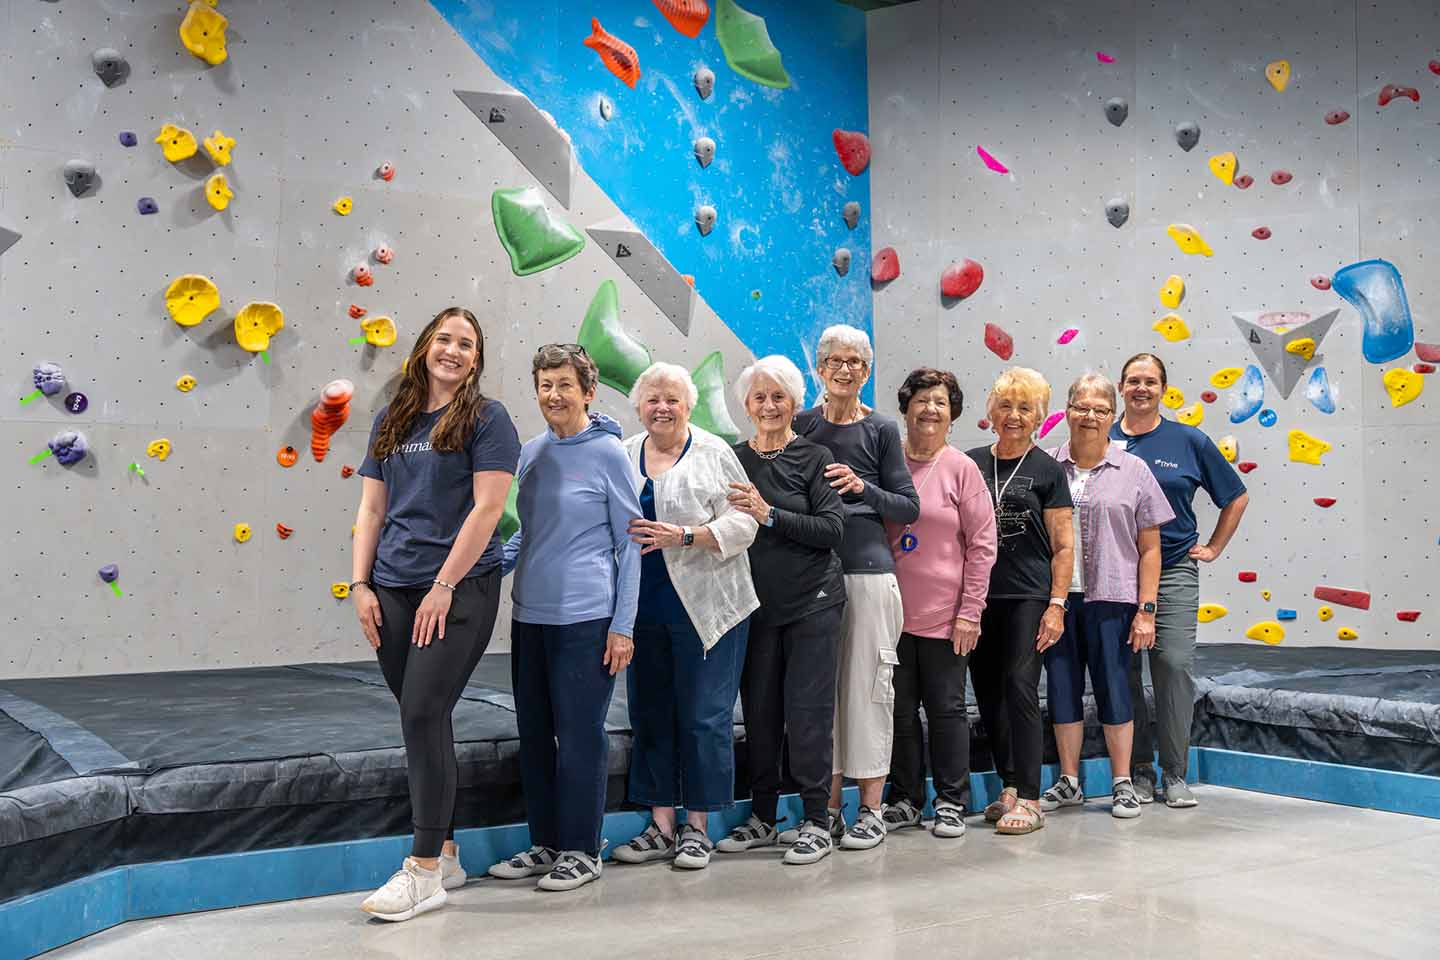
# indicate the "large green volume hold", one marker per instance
pixel 534 238
pixel 710 412
pixel 620 357
pixel 746 42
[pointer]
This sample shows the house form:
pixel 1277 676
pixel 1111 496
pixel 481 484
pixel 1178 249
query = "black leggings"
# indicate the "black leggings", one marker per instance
pixel 1005 669
pixel 931 674
pixel 428 681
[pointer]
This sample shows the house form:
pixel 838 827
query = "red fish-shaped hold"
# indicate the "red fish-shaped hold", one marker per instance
pixel 854 150
pixel 1324 501
pixel 1358 599
pixel 687 16
pixel 1000 343
pixel 618 56
pixel 886 266
pixel 962 279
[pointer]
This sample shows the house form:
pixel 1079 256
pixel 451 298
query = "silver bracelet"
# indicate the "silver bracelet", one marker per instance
pixel 442 583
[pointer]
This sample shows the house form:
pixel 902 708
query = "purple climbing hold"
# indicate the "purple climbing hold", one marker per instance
pixel 69 447
pixel 110 572
pixel 49 378
pixel 147 205
pixel 128 138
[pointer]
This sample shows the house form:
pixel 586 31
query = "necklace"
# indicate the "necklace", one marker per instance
pixel 909 543
pixel 1000 490
pixel 771 454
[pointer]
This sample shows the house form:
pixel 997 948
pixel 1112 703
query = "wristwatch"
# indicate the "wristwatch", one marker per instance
pixel 1147 607
pixel 770 518
pixel 687 537
pixel 1062 602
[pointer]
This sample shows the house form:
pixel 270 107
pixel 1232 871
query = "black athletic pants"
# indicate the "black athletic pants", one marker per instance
pixel 428 682
pixel 931 673
pixel 1005 669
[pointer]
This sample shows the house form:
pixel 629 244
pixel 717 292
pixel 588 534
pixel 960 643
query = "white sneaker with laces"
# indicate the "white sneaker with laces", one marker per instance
pixel 411 891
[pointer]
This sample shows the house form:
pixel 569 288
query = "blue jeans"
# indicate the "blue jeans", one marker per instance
pixel 1097 638
pixel 562 693
pixel 682 710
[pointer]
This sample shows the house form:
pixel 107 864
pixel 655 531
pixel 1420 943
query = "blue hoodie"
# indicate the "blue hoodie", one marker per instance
pixel 572 556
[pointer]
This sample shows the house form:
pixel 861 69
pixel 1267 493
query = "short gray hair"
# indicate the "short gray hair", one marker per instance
pixel 779 368
pixel 844 335
pixel 664 371
pixel 1093 381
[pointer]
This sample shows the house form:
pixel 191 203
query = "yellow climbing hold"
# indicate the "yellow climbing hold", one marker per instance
pixel 339 590
pixel 344 205
pixel 1325 613
pixel 1305 347
pixel 1226 377
pixel 1188 239
pixel 1346 633
pixel 191 298
pixel 185 384
pixel 1403 385
pixel 1307 449
pixel 1223 166
pixel 176 143
pixel 1266 631
pixel 1264 594
pixel 1210 611
pixel 218 192
pixel 1172 291
pixel 242 532
pixel 1193 416
pixel 1173 398
pixel 218 146
pixel 379 331
pixel 256 323
pixel 1229 447
pixel 159 449
pixel 1172 327
pixel 1278 73
pixel 203 32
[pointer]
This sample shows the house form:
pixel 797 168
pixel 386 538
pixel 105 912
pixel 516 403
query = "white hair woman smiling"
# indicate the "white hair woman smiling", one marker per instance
pixel 779 369
pixel 665 373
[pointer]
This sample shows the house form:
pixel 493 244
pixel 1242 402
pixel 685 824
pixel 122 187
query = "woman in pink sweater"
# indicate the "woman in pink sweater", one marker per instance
pixel 942 563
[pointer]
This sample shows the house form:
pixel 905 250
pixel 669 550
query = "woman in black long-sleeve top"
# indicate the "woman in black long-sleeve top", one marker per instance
pixel 789 679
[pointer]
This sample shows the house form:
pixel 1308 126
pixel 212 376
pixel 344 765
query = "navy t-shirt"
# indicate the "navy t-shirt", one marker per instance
pixel 659 603
pixel 429 494
pixel 1183 460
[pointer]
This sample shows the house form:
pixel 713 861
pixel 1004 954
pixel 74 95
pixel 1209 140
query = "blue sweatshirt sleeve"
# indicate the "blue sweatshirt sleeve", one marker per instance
pixel 510 552
pixel 623 504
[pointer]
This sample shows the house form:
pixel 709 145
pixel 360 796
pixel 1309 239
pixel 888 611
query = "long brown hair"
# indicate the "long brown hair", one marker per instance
pixel 457 423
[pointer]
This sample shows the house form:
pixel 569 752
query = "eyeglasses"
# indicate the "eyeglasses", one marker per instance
pixel 1099 413
pixel 835 363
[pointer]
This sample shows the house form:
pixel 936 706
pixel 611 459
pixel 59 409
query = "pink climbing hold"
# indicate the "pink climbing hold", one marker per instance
pixel 983 424
pixel 1104 57
pixel 854 150
pixel 1359 599
pixel 1392 91
pixel 1261 233
pixel 1209 396
pixel 1067 336
pixel 990 161
pixel 1051 421
pixel 1336 117
pixel 886 266
pixel 961 279
pixel 1320 282
pixel 1424 368
pixel 1281 177
pixel 1243 182
pixel 1326 502
pixel 1429 352
pixel 1245 466
pixel 1248 576
pixel 1000 343
pixel 1408 616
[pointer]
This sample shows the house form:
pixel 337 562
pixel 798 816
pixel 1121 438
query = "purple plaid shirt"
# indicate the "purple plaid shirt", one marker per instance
pixel 1122 498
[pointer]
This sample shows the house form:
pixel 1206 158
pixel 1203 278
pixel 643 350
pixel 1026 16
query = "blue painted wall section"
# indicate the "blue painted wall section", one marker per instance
pixel 776 181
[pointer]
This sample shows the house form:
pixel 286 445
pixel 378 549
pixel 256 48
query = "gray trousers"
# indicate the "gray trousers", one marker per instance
pixel 1172 674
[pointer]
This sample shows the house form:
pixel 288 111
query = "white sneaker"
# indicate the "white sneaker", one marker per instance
pixel 813 843
pixel 413 890
pixel 573 869
pixel 452 875
pixel 866 832
pixel 535 862
pixel 1065 793
pixel 949 820
pixel 837 828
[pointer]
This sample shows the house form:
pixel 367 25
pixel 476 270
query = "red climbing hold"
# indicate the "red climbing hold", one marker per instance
pixel 1336 117
pixel 1391 91
pixel 1435 66
pixel 983 424
pixel 346 471
pixel 1245 466
pixel 1243 181
pixel 1424 368
pixel 854 150
pixel 999 342
pixel 886 266
pixel 1247 576
pixel 1281 177
pixel 1409 616
pixel 356 311
pixel 1261 233
pixel 618 56
pixel 1429 352
pixel 1324 501
pixel 687 16
pixel 961 279
pixel 1358 599
pixel 1320 282
pixel 1209 396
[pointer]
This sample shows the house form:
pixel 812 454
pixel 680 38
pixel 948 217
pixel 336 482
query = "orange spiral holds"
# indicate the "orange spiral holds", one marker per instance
pixel 329 415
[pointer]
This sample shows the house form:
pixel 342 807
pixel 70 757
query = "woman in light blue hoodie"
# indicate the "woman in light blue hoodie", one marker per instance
pixel 577 580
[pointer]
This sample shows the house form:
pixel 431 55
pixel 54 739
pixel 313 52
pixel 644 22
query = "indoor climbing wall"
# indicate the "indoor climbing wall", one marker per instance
pixel 208 216
pixel 1278 160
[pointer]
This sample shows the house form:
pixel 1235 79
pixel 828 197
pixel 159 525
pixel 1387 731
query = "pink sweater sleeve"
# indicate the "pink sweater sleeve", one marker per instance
pixel 977 521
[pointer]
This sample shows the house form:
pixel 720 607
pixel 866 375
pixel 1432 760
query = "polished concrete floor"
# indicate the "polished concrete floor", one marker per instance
pixel 1243 875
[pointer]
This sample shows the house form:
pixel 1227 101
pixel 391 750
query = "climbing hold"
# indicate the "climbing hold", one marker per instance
pixel 618 56
pixel 1247 576
pixel 1209 396
pixel 1172 291
pixel 241 532
pixel 363 276
pixel 686 16
pixel 1305 347
pixel 1429 352
pixel 1192 416
pixel 1187 135
pixel 710 412
pixel 990 161
pixel 1226 377
pixel 283 532
pixel 1391 91
pixel 1284 613
pixel 1268 418
pixel 1104 57
pixel 1244 182
pixel 1261 233
pixel 256 323
pixel 1423 367
pixel 1307 449
pixel 1264 594
pixel 851 214
pixel 1326 502
pixel 1266 631
pixel 1402 385
pixel 379 331
pixel 983 424
pixel 688 278
pixel 607 109
pixel 1223 166
pixel 841 261
pixel 1229 447
pixel 1070 334
pixel 704 81
pixel 534 239
pixel 329 415
pixel 1407 616
pixel 203 32
pixel 747 46
pixel 1173 397
pixel 1116 110
pixel 1375 289
pixel 109 65
pixel 854 150
pixel 634 253
pixel 705 219
pixel 176 143
pixel 619 356
pixel 530 134
pixel 147 206
pixel 287 455
pixel 218 192
pixel 383 254
pixel 1325 613
pixel 1435 66
pixel 704 151
pixel 343 206
pixel 1172 327
pixel 1245 466
pixel 1280 177
pixel 69 447
pixel 1209 612
pixel 346 471
pixel 386 171
pixel 185 384
pixel 1051 421
pixel 886 266
pixel 1188 239
pixel 961 279
pixel 1337 117
pixel 1320 282
pixel 219 146
pixel 1117 211
pixel 340 591
pixel 1278 73
pixel 128 138
pixel 191 298
pixel 158 449
pixel 79 176
pixel 109 573
pixel 1271 335
pixel 1347 633
pixel 1248 397
pixel 1000 343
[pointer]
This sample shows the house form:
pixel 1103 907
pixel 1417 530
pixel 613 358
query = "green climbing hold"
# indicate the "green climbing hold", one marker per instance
pixel 534 238
pixel 510 516
pixel 747 45
pixel 710 412
pixel 620 357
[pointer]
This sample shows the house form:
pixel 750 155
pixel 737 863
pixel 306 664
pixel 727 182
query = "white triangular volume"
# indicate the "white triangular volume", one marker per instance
pixel 530 134
pixel 1268 340
pixel 647 266
pixel 7 239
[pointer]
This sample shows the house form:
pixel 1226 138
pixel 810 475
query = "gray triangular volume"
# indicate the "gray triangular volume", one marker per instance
pixel 1269 342
pixel 7 239
pixel 530 135
pixel 647 266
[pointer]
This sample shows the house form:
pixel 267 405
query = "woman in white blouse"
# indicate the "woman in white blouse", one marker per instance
pixel 692 623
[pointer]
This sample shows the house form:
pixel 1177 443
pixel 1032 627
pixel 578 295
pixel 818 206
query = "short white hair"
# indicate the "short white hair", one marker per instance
pixel 1096 382
pixel 660 372
pixel 844 335
pixel 779 368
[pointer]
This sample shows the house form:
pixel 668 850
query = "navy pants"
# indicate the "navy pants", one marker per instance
pixel 682 710
pixel 562 693
pixel 1097 637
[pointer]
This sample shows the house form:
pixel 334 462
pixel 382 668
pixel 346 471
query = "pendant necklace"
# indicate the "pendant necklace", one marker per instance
pixel 908 541
pixel 1000 490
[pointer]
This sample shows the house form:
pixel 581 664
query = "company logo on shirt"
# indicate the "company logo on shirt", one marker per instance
pixel 420 446
pixel 1166 463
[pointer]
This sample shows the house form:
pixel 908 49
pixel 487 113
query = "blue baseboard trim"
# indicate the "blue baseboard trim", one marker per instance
pixel 1394 792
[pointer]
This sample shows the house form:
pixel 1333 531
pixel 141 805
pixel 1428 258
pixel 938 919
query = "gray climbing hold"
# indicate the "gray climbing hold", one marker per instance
pixel 705 219
pixel 851 213
pixel 607 109
pixel 704 82
pixel 1116 110
pixel 1117 211
pixel 1187 135
pixel 79 176
pixel 109 66
pixel 8 239
pixel 704 151
pixel 841 261
pixel 633 252
pixel 530 134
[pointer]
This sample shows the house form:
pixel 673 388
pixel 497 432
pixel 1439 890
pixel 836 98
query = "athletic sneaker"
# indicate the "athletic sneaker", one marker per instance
pixel 1124 803
pixel 866 832
pixel 693 848
pixel 837 828
pixel 900 815
pixel 1177 793
pixel 535 862
pixel 412 890
pixel 452 875
pixel 1065 793
pixel 651 844
pixel 750 834
pixel 573 869
pixel 813 842
pixel 949 820
pixel 1144 789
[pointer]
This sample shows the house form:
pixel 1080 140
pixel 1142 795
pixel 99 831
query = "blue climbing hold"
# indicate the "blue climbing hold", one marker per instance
pixel 1375 289
pixel 1248 395
pixel 127 138
pixel 1317 391
pixel 147 205
pixel 1283 614
pixel 1268 418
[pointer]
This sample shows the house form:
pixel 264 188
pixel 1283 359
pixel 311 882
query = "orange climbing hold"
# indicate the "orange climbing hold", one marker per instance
pixel 1359 599
pixel 618 56
pixel 287 456
pixel 283 531
pixel 687 16
pixel 329 415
